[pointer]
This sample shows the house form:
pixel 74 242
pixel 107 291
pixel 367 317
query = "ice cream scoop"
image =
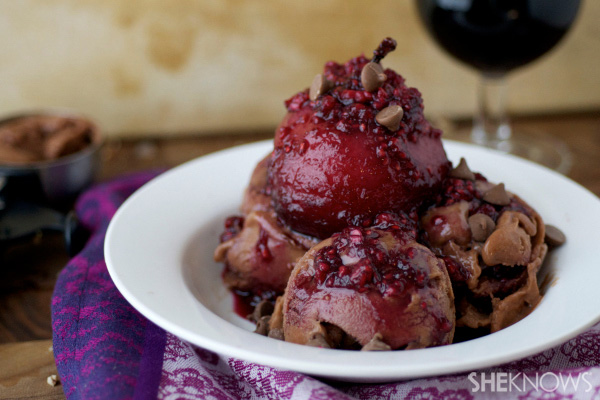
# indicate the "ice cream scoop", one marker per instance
pixel 379 287
pixel 492 243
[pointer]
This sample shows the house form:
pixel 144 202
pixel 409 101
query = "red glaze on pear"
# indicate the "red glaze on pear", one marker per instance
pixel 334 165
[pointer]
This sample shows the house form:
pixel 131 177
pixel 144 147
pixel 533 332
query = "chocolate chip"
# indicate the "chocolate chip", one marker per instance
pixel 390 117
pixel 481 226
pixel 554 237
pixel 335 334
pixel 262 325
pixel 263 308
pixel 372 76
pixel 497 195
pixel 462 171
pixel 320 85
pixel 276 334
pixel 376 344
pixel 317 339
pixel 510 243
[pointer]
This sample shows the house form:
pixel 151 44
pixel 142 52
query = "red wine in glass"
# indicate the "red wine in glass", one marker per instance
pixel 496 37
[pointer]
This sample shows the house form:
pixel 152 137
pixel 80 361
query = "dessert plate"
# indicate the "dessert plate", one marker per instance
pixel 159 248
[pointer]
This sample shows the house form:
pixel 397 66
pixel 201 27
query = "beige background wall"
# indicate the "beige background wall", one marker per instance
pixel 187 66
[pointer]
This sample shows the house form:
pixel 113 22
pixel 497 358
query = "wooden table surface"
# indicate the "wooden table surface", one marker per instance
pixel 29 270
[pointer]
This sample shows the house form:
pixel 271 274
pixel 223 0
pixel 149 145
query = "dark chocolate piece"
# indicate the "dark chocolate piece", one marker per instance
pixel 262 325
pixel 481 226
pixel 320 85
pixel 554 237
pixel 317 339
pixel 372 76
pixel 262 309
pixel 376 344
pixel 497 195
pixel 462 171
pixel 390 117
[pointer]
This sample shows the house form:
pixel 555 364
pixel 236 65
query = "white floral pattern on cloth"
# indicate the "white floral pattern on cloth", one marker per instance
pixel 569 371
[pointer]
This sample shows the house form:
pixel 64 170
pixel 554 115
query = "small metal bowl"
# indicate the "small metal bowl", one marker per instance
pixel 54 181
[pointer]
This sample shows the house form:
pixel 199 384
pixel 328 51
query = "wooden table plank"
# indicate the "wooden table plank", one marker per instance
pixel 24 370
pixel 29 272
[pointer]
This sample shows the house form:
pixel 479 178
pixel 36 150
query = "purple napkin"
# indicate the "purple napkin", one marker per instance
pixel 105 349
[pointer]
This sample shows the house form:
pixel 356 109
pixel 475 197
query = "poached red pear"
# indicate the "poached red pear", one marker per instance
pixel 354 145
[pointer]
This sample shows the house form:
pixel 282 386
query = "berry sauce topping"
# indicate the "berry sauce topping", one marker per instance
pixel 369 260
pixel 455 190
pixel 458 273
pixel 233 226
pixel 353 109
pixel 262 246
pixel 395 222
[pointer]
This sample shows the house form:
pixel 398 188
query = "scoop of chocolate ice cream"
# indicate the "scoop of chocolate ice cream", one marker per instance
pixel 260 257
pixel 259 253
pixel 493 245
pixel 355 145
pixel 377 287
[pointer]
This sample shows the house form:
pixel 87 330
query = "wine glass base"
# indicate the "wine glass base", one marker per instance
pixel 534 146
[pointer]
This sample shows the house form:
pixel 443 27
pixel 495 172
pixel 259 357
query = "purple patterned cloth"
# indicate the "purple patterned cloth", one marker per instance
pixel 100 342
pixel 105 349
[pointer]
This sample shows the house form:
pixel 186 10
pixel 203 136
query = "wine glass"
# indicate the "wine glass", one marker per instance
pixel 496 37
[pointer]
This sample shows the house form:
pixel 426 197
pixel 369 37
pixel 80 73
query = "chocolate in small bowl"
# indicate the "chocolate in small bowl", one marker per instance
pixel 50 156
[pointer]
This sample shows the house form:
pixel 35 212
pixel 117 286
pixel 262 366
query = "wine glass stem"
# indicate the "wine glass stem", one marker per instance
pixel 490 125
